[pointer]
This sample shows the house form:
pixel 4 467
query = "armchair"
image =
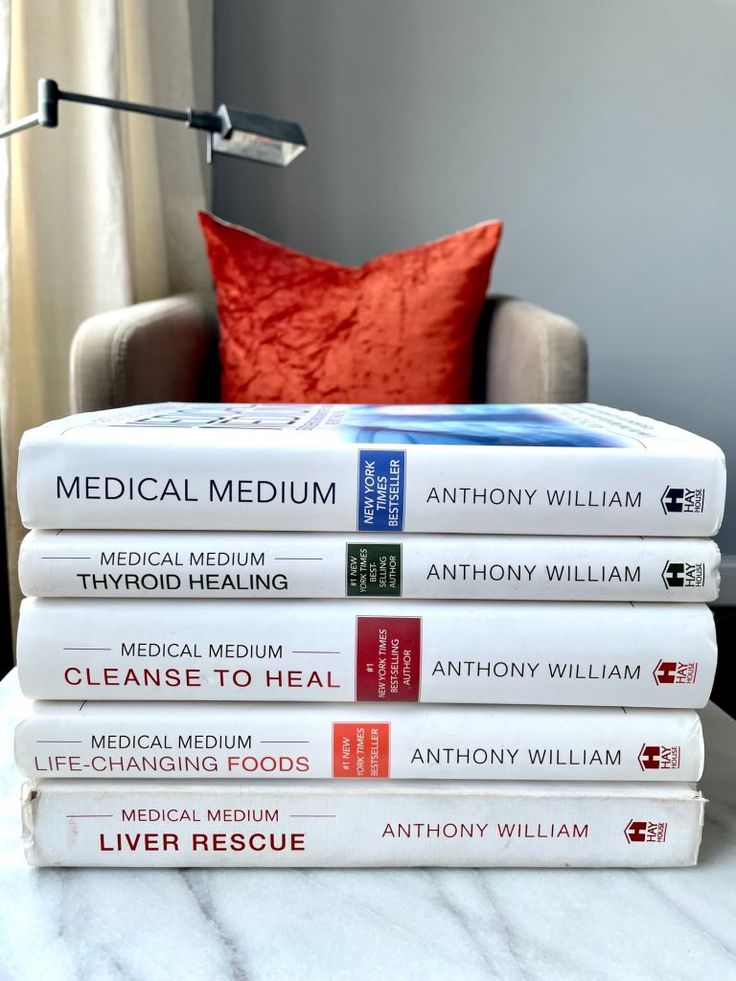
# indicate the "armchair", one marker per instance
pixel 166 350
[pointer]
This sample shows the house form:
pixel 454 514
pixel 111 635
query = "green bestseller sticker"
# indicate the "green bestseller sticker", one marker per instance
pixel 373 569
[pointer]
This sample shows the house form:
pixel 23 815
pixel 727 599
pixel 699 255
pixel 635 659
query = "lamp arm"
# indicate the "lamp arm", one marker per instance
pixel 194 118
pixel 50 95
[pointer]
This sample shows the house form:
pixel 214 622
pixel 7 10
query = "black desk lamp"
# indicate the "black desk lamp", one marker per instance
pixel 229 131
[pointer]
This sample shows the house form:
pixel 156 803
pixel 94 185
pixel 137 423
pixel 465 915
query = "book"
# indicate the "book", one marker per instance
pixel 644 654
pixel 247 823
pixel 476 469
pixel 404 742
pixel 287 565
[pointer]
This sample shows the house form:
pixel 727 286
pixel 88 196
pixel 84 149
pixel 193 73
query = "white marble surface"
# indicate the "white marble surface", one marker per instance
pixel 414 924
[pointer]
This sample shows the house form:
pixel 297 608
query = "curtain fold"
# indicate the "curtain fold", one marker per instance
pixel 101 212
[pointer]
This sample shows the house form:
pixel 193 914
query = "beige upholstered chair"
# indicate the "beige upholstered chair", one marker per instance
pixel 167 350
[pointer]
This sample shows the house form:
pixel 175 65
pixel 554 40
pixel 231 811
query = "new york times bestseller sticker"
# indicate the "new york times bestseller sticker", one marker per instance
pixel 373 570
pixel 381 490
pixel 388 659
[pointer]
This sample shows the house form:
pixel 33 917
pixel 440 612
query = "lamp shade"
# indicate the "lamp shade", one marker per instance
pixel 261 138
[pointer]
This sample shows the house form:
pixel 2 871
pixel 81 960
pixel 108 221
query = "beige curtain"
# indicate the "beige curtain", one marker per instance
pixel 101 212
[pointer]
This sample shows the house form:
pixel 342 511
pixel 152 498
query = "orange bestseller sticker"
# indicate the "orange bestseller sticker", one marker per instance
pixel 361 749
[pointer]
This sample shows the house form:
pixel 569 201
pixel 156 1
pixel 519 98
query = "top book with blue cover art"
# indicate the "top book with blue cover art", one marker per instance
pixel 488 469
pixel 471 425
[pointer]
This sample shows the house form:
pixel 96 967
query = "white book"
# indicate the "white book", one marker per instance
pixel 535 469
pixel 646 654
pixel 248 823
pixel 289 565
pixel 403 742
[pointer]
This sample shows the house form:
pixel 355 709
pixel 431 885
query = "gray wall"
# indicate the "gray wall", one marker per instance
pixel 603 133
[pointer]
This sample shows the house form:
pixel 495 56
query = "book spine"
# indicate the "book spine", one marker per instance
pixel 243 565
pixel 94 482
pixel 401 742
pixel 650 654
pixel 246 824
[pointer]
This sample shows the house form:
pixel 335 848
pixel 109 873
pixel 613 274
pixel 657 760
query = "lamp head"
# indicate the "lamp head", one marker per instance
pixel 253 137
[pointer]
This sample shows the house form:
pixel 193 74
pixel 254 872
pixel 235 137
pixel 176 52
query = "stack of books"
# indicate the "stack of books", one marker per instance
pixel 329 635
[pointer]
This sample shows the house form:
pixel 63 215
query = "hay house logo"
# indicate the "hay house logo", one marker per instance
pixel 683 575
pixel 654 832
pixel 683 500
pixel 675 672
pixel 652 757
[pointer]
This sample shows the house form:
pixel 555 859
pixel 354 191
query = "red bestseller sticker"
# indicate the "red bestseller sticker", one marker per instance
pixel 388 659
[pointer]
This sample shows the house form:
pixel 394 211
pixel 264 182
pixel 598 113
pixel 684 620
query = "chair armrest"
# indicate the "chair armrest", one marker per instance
pixel 150 352
pixel 534 355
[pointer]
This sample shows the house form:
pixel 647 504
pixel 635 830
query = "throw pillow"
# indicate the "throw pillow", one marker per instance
pixel 399 329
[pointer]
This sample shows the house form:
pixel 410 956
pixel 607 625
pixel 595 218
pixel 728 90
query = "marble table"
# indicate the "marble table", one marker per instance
pixel 454 925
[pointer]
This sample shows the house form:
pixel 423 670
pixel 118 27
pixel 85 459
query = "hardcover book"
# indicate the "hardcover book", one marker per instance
pixel 288 565
pixel 219 823
pixel 518 469
pixel 445 742
pixel 646 654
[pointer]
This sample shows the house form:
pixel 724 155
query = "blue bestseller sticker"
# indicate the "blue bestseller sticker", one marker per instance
pixel 381 490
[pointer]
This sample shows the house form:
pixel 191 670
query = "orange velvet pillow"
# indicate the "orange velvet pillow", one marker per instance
pixel 298 329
